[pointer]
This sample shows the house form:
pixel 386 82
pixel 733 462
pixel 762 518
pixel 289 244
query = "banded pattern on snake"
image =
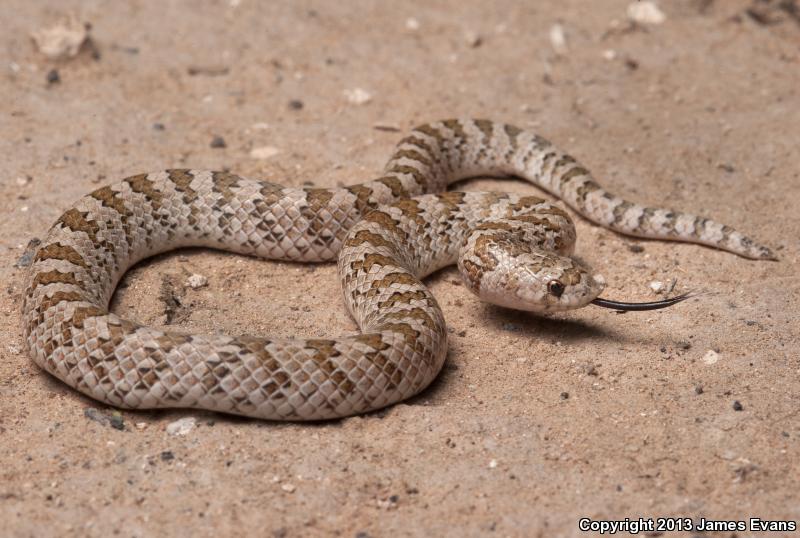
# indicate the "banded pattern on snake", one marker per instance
pixel 388 233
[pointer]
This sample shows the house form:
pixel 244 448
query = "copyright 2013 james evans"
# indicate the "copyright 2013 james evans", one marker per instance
pixel 677 524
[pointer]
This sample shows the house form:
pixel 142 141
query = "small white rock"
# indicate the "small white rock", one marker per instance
pixel 358 96
pixel 558 39
pixel 610 54
pixel 711 357
pixel 288 488
pixel 657 286
pixel 645 13
pixel 22 181
pixel 141 425
pixel 412 23
pixel 264 152
pixel 492 464
pixel 182 426
pixel 61 41
pixel 196 281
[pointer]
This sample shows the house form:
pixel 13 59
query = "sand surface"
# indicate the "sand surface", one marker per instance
pixel 534 422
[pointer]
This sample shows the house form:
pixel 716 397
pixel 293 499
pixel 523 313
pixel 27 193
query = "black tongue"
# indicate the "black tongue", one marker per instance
pixel 655 305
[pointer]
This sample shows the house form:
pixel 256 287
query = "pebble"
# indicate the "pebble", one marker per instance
pixel 358 96
pixel 288 488
pixel 53 77
pixel 670 286
pixel 564 396
pixel 657 286
pixel 698 389
pixel 115 420
pixel 737 406
pixel 726 167
pixel 196 281
pixel 558 39
pixel 182 426
pixel 264 152
pixel 22 181
pixel 711 357
pixel 27 257
pixel 473 39
pixel 64 40
pixel 296 104
pixel 93 414
pixel 211 71
pixel 388 503
pixel 218 142
pixel 386 127
pixel 158 127
pixel 412 23
pixel 492 464
pixel 610 54
pixel 167 455
pixel 645 13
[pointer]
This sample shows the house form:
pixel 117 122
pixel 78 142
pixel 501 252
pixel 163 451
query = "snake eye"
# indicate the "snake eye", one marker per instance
pixel 555 288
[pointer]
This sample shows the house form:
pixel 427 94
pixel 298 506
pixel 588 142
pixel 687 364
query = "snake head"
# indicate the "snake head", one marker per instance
pixel 517 275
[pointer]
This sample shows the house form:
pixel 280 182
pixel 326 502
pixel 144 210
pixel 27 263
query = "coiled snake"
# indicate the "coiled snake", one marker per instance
pixel 388 233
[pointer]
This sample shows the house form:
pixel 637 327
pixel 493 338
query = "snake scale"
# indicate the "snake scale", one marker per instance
pixel 388 234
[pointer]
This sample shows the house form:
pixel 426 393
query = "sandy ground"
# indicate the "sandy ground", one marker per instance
pixel 534 422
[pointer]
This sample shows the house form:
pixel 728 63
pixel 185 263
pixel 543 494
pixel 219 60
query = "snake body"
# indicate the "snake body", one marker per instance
pixel 388 233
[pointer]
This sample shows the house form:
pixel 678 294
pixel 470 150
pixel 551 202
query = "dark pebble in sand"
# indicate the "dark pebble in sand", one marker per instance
pixel 53 77
pixel 27 257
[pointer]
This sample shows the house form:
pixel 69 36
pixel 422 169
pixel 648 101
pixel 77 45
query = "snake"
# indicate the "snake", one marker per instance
pixel 387 234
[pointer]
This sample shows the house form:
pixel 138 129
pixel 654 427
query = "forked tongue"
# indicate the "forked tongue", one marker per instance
pixel 653 305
